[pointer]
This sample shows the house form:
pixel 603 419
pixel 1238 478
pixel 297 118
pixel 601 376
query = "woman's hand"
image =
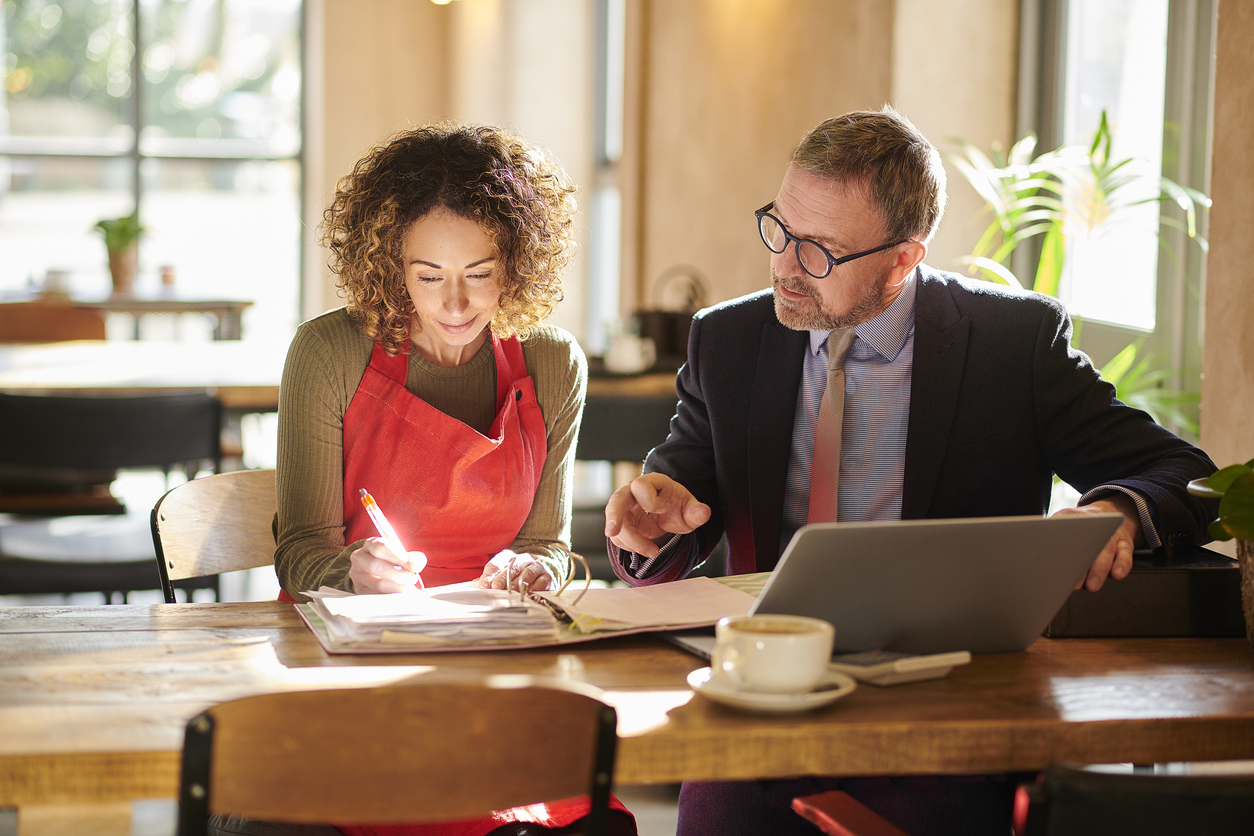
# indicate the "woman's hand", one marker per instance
pixel 518 569
pixel 376 569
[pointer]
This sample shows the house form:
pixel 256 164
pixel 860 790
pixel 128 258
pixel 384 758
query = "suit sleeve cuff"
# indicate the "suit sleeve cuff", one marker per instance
pixel 1146 517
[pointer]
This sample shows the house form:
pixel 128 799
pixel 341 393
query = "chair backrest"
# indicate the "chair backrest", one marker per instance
pixel 52 431
pixel 214 524
pixel 623 428
pixel 406 753
pixel 49 322
pixel 1079 802
pixel 59 453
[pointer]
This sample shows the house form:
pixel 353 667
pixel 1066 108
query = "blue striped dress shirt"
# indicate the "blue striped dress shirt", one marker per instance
pixel 873 430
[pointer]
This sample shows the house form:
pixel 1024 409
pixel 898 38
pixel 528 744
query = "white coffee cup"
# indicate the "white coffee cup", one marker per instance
pixel 629 353
pixel 57 282
pixel 776 654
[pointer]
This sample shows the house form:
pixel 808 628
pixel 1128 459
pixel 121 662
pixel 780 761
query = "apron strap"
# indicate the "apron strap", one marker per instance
pixel 510 366
pixel 392 367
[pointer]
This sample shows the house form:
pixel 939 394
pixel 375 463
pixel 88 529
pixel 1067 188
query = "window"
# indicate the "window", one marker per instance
pixel 1148 64
pixel 605 211
pixel 188 110
pixel 1116 59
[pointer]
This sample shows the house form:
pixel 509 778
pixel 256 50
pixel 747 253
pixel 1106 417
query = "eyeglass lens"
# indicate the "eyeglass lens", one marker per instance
pixel 812 257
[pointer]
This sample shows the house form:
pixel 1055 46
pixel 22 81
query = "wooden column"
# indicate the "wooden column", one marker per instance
pixel 1228 360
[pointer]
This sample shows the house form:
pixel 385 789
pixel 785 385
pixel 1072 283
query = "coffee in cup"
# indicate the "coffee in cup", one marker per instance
pixel 776 654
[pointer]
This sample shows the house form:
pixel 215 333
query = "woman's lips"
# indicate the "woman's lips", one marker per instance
pixel 457 329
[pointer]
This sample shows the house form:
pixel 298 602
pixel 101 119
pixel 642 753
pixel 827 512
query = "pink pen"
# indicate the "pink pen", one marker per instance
pixel 388 534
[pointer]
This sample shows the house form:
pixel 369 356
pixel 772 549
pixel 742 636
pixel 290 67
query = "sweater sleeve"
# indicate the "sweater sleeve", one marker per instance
pixel 324 365
pixel 560 372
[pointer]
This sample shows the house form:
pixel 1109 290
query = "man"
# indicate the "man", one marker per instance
pixel 961 399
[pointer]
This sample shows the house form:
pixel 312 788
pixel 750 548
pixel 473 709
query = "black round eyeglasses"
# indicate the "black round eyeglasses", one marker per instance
pixel 811 255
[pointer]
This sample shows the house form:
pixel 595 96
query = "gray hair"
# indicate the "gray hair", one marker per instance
pixel 884 155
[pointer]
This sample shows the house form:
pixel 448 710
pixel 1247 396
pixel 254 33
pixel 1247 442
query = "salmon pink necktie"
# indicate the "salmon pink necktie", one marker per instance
pixel 825 467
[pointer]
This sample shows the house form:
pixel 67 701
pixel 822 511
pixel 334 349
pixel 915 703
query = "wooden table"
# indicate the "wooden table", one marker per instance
pixel 93 701
pixel 226 313
pixel 243 374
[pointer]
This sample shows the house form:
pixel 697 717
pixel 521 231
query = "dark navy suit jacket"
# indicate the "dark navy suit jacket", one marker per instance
pixel 999 402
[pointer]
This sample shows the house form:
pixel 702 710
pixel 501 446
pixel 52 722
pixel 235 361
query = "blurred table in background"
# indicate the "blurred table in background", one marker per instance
pixel 225 314
pixel 243 374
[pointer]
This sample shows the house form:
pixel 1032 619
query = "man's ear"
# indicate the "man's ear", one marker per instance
pixel 908 256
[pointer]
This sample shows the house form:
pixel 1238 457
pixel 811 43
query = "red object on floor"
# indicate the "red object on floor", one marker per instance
pixel 839 814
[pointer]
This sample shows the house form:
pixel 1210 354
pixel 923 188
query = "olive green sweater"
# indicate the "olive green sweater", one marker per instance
pixel 325 364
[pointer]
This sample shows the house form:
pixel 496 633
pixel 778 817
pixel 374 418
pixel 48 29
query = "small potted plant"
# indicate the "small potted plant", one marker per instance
pixel 1233 486
pixel 121 237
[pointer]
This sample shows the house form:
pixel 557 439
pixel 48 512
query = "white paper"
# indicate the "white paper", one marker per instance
pixel 694 602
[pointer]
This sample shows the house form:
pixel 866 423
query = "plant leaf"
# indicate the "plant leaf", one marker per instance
pixel 997 272
pixel 1116 367
pixel 1201 487
pixel 1049 267
pixel 1236 509
pixel 1221 480
pixel 1217 531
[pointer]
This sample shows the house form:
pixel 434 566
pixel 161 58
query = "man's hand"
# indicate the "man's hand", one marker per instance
pixel 1115 558
pixel 648 508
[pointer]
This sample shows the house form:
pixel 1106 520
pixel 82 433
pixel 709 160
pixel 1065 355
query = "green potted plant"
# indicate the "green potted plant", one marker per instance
pixel 1059 195
pixel 121 237
pixel 1233 486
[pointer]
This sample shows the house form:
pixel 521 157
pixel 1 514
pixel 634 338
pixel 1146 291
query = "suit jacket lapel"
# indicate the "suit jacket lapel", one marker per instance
pixel 771 415
pixel 940 350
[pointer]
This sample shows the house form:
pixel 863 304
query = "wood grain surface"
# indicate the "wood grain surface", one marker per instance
pixel 93 701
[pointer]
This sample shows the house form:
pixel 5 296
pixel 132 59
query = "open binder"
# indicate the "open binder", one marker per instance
pixel 462 617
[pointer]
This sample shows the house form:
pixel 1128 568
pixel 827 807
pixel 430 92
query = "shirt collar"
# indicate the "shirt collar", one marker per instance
pixel 886 332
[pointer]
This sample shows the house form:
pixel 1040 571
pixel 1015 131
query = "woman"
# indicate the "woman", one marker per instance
pixel 437 389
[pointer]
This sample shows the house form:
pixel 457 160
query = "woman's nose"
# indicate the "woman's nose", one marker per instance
pixel 456 300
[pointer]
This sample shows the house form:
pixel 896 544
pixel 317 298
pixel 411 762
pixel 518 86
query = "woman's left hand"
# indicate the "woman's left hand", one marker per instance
pixel 518 569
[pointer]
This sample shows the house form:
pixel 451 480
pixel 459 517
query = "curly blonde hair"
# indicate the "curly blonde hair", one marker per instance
pixel 521 198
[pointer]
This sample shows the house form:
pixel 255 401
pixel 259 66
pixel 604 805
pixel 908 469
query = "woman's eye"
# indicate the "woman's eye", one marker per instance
pixel 430 278
pixel 480 276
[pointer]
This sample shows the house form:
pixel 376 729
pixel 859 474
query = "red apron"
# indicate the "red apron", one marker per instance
pixel 458 496
pixel 454 494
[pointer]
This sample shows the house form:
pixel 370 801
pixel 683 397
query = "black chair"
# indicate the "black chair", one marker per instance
pixel 63 531
pixel 1071 801
pixel 615 428
pixel 623 428
pixel 1081 802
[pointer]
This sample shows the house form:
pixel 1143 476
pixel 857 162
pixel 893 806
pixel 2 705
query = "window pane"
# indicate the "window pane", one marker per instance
pixel 1116 62
pixel 230 229
pixel 67 68
pixel 48 207
pixel 221 77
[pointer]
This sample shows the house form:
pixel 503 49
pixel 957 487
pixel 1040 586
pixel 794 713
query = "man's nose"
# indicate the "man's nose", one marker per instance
pixel 787 263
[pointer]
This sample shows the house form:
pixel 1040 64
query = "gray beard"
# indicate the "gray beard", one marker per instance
pixel 801 316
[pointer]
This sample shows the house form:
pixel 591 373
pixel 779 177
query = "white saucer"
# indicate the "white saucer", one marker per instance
pixel 831 687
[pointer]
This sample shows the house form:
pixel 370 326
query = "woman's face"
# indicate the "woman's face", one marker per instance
pixel 451 273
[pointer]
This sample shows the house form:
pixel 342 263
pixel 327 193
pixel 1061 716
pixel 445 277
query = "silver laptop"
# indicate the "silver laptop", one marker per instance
pixel 985 584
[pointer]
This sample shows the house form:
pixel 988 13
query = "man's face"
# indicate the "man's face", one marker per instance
pixel 843 220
